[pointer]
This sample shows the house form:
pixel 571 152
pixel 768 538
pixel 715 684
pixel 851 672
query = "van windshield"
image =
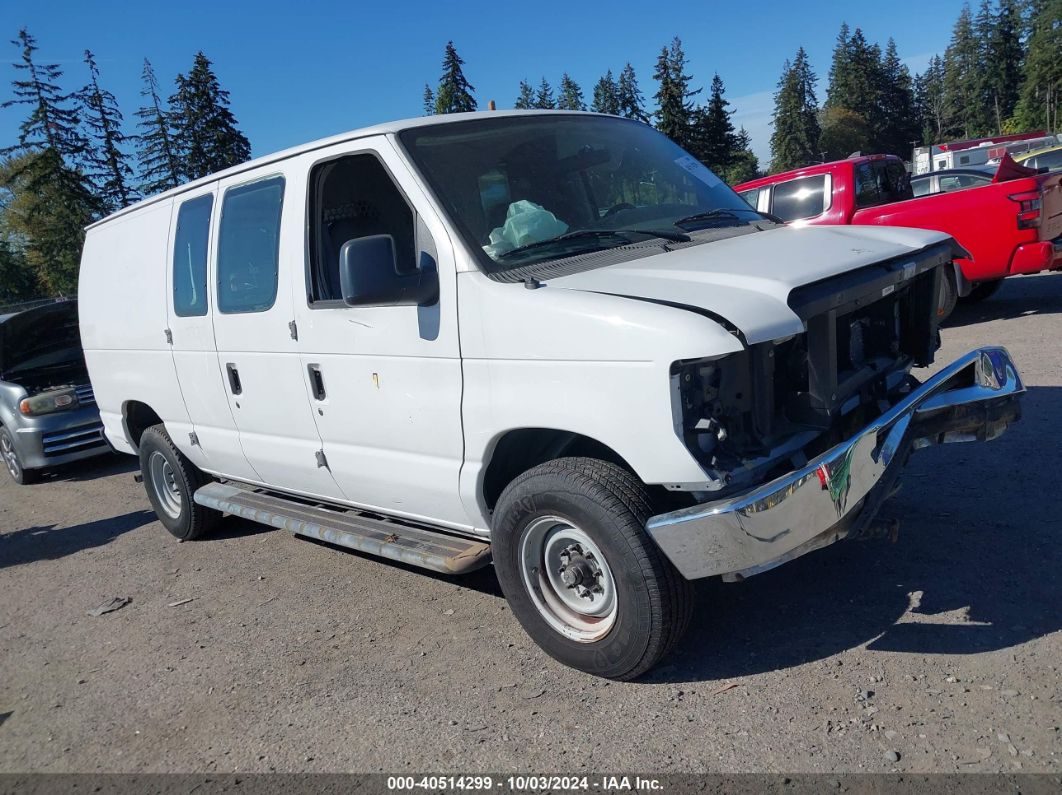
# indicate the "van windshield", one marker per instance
pixel 526 189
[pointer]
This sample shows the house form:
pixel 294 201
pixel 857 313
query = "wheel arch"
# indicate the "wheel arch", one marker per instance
pixel 519 449
pixel 137 417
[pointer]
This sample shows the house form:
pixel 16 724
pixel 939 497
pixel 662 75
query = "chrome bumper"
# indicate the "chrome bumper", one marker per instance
pixel 837 494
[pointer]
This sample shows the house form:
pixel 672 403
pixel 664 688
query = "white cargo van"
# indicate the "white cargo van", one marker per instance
pixel 551 340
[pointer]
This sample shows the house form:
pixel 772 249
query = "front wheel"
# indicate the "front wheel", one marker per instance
pixel 580 572
pixel 13 462
pixel 170 480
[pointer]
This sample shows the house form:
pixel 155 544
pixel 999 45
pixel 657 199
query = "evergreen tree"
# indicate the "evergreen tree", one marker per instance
pixel 206 137
pixel 899 127
pixel 156 155
pixel 526 99
pixel 933 108
pixel 674 114
pixel 571 96
pixel 1004 57
pixel 56 200
pixel 454 94
pixel 855 82
pixel 629 97
pixel 544 96
pixel 712 139
pixel 744 164
pixel 838 67
pixel 17 280
pixel 106 165
pixel 962 78
pixel 795 139
pixel 606 96
pixel 429 101
pixel 1041 93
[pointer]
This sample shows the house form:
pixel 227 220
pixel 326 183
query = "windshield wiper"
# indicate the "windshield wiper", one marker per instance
pixel 707 215
pixel 597 234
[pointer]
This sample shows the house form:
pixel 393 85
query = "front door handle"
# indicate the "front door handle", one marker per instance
pixel 234 379
pixel 316 381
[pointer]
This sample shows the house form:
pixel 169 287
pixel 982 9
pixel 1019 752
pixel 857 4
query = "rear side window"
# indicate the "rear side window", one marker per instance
pixel 800 198
pixel 190 257
pixel 249 246
pixel 882 182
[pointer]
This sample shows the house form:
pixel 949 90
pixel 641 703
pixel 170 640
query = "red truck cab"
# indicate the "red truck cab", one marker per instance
pixel 1011 226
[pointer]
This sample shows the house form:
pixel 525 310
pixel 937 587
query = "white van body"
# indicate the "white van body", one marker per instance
pixel 402 410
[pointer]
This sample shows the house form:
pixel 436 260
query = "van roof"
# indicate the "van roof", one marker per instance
pixel 391 127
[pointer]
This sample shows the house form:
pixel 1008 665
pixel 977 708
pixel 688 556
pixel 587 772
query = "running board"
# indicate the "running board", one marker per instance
pixel 385 538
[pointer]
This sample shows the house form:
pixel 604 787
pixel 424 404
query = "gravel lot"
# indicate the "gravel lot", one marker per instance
pixel 943 649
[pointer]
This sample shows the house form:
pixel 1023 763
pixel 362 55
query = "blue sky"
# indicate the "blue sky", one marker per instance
pixel 300 71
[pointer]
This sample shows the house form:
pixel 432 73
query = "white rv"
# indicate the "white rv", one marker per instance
pixel 551 341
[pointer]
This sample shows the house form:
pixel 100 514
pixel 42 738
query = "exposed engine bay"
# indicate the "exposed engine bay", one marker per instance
pixel 757 414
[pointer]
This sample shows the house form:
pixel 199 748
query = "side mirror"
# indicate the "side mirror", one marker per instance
pixel 368 276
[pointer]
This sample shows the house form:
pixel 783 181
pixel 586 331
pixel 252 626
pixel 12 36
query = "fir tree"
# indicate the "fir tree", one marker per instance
pixel 933 108
pixel 106 165
pixel 571 96
pixel 454 94
pixel 713 139
pixel 526 99
pixel 1004 55
pixel 56 200
pixel 962 77
pixel 674 114
pixel 544 96
pixel 1041 91
pixel 18 282
pixel 795 139
pixel 606 95
pixel 629 97
pixel 156 153
pixel 744 164
pixel 838 67
pixel 899 128
pixel 206 136
pixel 855 81
pixel 429 100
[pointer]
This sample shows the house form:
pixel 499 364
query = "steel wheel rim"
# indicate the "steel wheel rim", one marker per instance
pixel 10 458
pixel 568 579
pixel 164 485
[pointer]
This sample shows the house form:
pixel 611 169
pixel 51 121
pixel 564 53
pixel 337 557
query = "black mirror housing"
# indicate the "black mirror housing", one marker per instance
pixel 368 276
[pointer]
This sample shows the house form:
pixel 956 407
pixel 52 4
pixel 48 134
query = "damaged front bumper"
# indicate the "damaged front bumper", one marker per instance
pixel 838 493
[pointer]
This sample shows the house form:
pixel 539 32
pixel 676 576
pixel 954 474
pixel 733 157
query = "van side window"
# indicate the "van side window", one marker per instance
pixel 249 246
pixel 354 197
pixel 190 257
pixel 800 198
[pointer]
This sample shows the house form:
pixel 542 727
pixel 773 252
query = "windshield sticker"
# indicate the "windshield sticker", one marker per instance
pixel 698 169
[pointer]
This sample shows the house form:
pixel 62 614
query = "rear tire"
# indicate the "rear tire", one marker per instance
pixel 170 480
pixel 12 461
pixel 981 291
pixel 581 574
pixel 949 293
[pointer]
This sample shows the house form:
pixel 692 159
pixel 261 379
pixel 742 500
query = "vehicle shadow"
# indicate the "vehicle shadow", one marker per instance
pixel 1040 294
pixel 975 569
pixel 48 542
pixel 92 468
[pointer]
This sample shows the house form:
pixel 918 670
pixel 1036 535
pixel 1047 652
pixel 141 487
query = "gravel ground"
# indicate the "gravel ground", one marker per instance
pixel 938 653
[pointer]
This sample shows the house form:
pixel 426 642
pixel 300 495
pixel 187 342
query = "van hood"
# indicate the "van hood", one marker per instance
pixel 47 334
pixel 747 280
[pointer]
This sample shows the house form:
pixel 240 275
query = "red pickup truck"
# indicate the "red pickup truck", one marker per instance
pixel 1011 226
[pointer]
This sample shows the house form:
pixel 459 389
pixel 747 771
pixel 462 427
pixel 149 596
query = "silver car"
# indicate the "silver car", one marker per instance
pixel 48 414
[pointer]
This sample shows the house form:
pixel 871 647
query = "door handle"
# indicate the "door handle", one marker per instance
pixel 234 379
pixel 316 381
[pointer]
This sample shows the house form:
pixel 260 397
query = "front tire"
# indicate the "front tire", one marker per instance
pixel 580 572
pixel 12 461
pixel 170 480
pixel 949 294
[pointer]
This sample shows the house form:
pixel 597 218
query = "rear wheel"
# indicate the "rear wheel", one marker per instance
pixel 580 572
pixel 170 480
pixel 949 294
pixel 13 463
pixel 981 291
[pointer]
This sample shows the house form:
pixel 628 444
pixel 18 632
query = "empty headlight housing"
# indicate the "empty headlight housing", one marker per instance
pixel 49 402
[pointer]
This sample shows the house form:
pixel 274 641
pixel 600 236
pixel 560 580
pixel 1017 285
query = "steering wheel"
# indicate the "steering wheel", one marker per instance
pixel 616 208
